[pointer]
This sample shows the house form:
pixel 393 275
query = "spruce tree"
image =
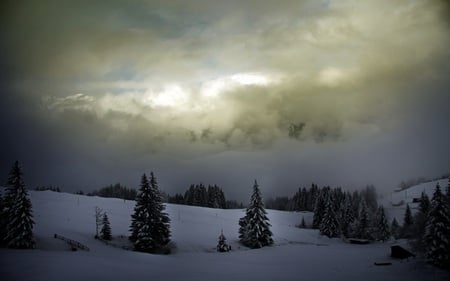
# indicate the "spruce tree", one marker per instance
pixel 329 225
pixel 406 231
pixel 362 228
pixel 140 210
pixel 420 220
pixel 18 212
pixel 150 225
pixel 105 232
pixel 382 227
pixel 255 227
pixel 347 216
pixel 319 208
pixel 160 220
pixel 243 229
pixel 438 231
pixel 222 246
pixel 395 228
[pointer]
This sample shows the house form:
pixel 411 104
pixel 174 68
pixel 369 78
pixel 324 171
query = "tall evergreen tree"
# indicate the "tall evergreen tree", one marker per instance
pixel 105 232
pixel 347 216
pixel 255 227
pixel 140 210
pixel 420 220
pixel 363 225
pixel 150 225
pixel 395 228
pixel 438 231
pixel 329 225
pixel 407 230
pixel 319 207
pixel 159 219
pixel 18 212
pixel 382 227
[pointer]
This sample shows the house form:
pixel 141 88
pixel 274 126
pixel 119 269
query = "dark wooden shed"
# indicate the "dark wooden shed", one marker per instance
pixel 400 253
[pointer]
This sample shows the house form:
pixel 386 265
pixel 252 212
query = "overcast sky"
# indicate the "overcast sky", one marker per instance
pixel 340 93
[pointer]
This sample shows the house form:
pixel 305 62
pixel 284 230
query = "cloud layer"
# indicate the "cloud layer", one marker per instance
pixel 189 79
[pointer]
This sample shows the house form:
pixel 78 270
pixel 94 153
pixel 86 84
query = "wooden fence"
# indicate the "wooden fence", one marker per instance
pixel 74 244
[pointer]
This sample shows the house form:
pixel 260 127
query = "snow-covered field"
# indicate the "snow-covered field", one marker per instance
pixel 298 254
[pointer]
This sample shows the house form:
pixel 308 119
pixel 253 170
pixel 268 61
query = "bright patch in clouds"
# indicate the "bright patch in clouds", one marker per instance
pixel 213 88
pixel 250 79
pixel 172 95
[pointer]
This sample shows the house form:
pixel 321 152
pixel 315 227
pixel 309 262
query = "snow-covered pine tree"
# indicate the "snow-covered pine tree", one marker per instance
pixel 243 229
pixel 140 209
pixel 406 230
pixel 329 225
pixel 160 221
pixel 150 225
pixel 438 231
pixel 222 246
pixel 395 228
pixel 18 212
pixel 420 219
pixel 255 226
pixel 319 207
pixel 363 224
pixel 347 216
pixel 382 227
pixel 105 232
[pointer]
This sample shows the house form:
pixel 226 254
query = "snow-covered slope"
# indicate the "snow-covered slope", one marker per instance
pixel 298 254
pixel 194 229
pixel 395 204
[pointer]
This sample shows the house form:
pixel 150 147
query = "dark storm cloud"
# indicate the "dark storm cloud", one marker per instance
pixel 95 92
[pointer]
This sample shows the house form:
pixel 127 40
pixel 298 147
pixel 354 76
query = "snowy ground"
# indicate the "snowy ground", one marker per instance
pixel 298 254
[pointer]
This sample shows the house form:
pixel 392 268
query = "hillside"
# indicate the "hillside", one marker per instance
pixel 407 196
pixel 297 253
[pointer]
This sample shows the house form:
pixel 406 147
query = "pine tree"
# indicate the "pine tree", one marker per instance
pixel 160 219
pixel 406 231
pixel 382 227
pixel 18 212
pixel 106 228
pixel 255 227
pixel 362 229
pixel 347 216
pixel 420 220
pixel 243 228
pixel 140 210
pixel 150 226
pixel 329 225
pixel 222 246
pixel 319 208
pixel 438 231
pixel 395 229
